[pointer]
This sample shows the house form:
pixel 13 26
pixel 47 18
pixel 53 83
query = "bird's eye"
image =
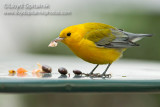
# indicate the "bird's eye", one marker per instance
pixel 68 34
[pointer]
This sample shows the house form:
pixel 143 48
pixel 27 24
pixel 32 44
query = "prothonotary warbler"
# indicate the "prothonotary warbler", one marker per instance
pixel 97 43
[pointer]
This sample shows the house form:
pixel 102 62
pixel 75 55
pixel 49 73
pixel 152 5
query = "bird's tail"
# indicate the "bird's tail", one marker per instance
pixel 133 37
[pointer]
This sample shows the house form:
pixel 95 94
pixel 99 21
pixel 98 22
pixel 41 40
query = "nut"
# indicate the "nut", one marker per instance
pixel 53 44
pixel 46 69
pixel 62 70
pixel 77 72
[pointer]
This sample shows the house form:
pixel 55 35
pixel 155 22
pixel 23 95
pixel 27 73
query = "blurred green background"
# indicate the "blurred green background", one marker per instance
pixel 32 34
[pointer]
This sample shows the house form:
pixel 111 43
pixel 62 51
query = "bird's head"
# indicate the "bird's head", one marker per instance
pixel 69 36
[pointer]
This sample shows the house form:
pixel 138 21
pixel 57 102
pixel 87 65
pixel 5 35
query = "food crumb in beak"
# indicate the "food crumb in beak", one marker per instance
pixel 53 44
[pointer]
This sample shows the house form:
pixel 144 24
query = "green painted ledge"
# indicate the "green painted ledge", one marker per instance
pixel 75 85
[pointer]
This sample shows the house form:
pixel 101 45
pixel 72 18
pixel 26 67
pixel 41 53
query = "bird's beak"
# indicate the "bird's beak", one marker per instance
pixel 54 42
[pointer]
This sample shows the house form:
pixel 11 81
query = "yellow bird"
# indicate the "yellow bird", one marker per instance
pixel 97 43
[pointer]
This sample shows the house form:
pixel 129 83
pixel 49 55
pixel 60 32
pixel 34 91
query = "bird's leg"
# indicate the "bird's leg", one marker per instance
pixel 104 73
pixel 94 69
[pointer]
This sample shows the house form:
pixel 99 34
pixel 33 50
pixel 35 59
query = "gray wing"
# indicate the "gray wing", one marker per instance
pixel 122 40
pixel 124 44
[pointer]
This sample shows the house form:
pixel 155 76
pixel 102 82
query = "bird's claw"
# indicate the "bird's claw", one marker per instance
pixel 98 75
pixel 107 75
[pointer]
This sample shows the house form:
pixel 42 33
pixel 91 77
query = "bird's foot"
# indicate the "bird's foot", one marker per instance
pixel 98 75
pixel 92 75
pixel 106 75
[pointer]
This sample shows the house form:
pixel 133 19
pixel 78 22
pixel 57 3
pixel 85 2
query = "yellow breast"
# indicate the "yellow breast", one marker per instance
pixel 89 52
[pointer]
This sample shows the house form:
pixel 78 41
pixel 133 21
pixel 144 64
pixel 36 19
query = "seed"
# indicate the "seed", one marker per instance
pixel 12 71
pixel 21 70
pixel 46 69
pixel 77 72
pixel 62 70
